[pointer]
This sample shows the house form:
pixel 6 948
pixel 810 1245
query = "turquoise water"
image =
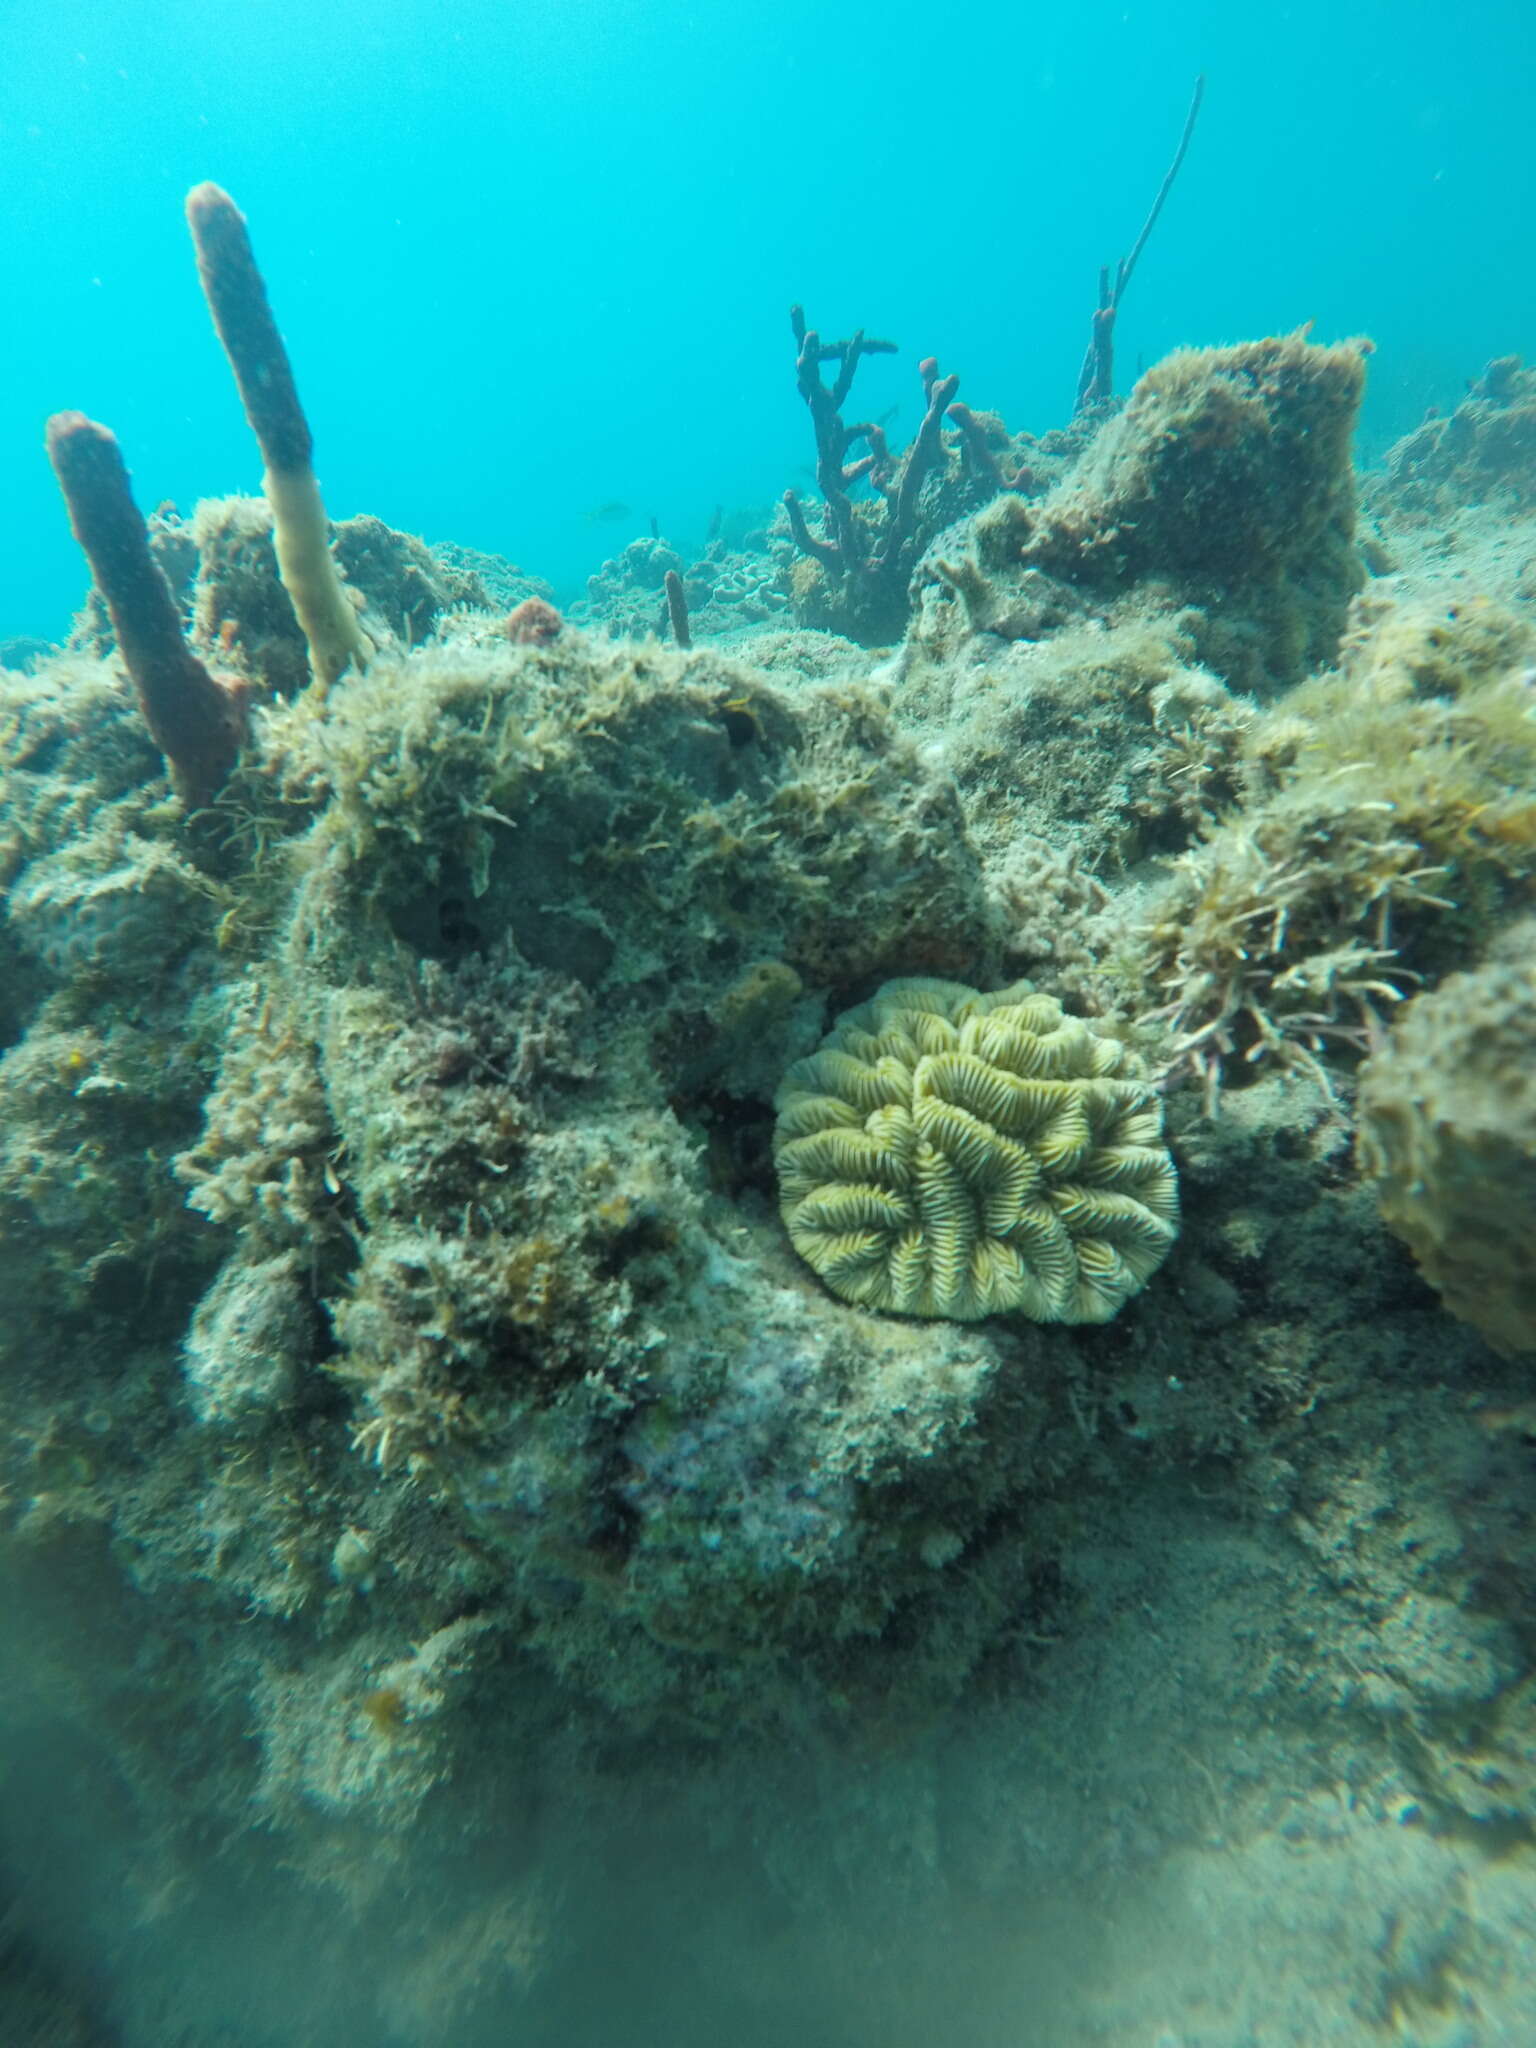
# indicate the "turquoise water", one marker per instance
pixel 568 235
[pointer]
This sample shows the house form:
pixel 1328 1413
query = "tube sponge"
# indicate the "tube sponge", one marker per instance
pixel 237 298
pixel 195 721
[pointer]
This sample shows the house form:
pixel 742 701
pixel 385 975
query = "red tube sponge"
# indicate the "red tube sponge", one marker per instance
pixel 195 721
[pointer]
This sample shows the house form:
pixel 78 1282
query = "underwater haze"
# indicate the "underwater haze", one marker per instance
pixel 767 1026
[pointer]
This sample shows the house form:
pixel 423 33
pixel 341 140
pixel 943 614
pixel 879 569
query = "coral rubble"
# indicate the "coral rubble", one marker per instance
pixel 1484 449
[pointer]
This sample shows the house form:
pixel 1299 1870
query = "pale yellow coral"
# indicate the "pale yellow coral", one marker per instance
pixel 960 1155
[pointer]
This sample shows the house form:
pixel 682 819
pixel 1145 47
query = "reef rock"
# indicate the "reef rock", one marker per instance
pixel 1448 1130
pixel 1224 486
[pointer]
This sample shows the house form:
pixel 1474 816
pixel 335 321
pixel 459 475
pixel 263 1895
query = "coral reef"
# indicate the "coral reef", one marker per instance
pixel 1111 744
pixel 1484 449
pixel 736 589
pixel 446 1524
pixel 221 565
pixel 532 923
pixel 728 589
pixel 1448 1132
pixel 1386 826
pixel 946 1153
pixel 240 606
pixel 628 594
pixel 475 579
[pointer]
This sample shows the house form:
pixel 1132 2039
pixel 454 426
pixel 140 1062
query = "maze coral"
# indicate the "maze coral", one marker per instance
pixel 952 1154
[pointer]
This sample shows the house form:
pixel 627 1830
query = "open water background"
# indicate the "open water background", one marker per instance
pixel 534 259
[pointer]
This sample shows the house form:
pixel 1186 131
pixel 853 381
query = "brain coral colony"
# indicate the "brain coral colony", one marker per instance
pixel 950 1154
pixel 408 1295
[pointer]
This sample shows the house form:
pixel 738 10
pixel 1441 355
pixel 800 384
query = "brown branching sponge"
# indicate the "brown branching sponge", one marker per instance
pixel 1096 383
pixel 237 298
pixel 952 1154
pixel 197 722
pixel 866 550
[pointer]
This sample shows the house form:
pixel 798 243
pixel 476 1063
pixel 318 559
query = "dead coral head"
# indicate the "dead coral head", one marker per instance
pixel 1001 531
pixel 1448 1133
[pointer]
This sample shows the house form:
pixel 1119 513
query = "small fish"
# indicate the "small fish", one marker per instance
pixel 609 513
